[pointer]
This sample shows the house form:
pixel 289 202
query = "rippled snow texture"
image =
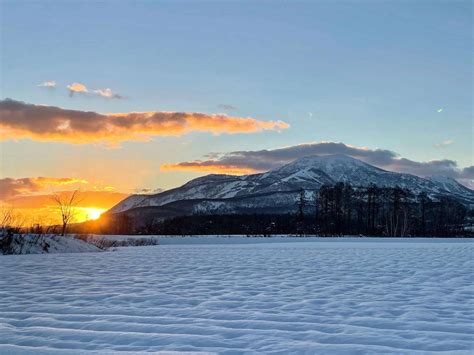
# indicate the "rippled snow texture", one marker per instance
pixel 309 297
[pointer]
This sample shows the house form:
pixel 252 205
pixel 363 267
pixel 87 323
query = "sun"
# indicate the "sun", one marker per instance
pixel 91 213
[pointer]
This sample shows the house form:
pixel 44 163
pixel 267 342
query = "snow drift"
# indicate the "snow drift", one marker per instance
pixel 43 244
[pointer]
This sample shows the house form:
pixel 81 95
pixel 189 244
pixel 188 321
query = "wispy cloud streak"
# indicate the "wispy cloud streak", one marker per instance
pixel 108 94
pixel 47 84
pixel 445 143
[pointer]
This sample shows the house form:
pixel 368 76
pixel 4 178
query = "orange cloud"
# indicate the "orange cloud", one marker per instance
pixel 45 181
pixel 77 87
pixel 12 187
pixel 208 167
pixel 48 123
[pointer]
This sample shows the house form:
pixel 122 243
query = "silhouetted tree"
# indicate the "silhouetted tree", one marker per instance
pixel 67 204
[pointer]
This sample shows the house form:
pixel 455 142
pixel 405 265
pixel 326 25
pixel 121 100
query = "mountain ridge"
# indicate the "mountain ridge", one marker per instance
pixel 307 173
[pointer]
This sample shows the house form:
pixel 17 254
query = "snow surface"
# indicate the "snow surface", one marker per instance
pixel 254 295
pixel 109 242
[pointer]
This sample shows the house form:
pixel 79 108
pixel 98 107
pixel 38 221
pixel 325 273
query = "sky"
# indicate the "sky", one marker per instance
pixel 127 97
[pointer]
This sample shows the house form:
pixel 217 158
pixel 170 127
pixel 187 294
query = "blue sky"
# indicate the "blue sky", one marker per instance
pixel 366 73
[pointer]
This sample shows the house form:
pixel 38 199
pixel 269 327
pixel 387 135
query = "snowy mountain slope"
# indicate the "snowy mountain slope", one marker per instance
pixel 130 202
pixel 308 173
pixel 270 202
pixel 457 190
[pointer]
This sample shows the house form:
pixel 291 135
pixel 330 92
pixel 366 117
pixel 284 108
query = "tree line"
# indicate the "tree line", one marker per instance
pixel 386 211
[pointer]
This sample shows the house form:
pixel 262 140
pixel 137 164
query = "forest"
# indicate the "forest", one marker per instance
pixel 335 210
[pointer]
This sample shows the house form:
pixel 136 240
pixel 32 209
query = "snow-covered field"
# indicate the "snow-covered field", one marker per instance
pixel 311 296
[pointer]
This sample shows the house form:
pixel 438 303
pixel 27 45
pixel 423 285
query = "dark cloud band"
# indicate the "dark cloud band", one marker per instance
pixel 48 123
pixel 263 160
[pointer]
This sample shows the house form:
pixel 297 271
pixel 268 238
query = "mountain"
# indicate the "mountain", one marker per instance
pixel 277 190
pixel 454 188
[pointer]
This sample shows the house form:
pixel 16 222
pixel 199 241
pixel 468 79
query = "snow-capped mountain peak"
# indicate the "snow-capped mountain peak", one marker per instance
pixel 308 173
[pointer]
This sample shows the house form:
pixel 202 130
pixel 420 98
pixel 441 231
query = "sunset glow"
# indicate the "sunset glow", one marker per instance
pixel 236 176
pixel 34 209
pixel 90 119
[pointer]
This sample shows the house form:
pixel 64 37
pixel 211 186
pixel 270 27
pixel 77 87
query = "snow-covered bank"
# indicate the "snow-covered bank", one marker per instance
pixel 332 296
pixel 43 244
pixel 53 244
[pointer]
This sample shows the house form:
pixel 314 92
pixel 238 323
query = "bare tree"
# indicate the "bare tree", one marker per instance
pixel 7 217
pixel 67 207
pixel 11 219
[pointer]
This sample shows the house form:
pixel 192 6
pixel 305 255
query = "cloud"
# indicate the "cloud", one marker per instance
pixel 10 187
pixel 227 107
pixel 108 93
pixel 82 89
pixel 77 88
pixel 444 143
pixel 148 191
pixel 244 162
pixel 48 123
pixel 209 166
pixel 263 160
pixel 48 84
pixel 467 177
pixel 467 173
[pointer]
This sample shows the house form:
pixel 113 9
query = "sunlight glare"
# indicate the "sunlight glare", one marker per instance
pixel 90 213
